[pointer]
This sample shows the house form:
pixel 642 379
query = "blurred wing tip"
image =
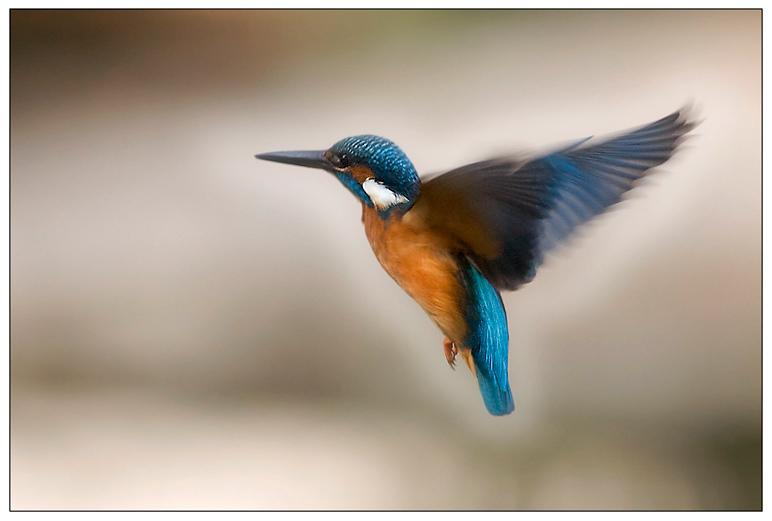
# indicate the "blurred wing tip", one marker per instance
pixel 689 116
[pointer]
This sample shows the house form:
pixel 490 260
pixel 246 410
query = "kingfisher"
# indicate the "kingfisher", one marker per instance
pixel 453 242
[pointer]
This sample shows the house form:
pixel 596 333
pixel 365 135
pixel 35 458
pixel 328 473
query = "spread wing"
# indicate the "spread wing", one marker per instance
pixel 506 213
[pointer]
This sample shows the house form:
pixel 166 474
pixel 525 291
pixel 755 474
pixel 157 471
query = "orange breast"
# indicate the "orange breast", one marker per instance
pixel 421 263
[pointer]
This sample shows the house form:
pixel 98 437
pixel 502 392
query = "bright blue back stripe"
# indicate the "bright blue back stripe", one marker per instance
pixel 488 339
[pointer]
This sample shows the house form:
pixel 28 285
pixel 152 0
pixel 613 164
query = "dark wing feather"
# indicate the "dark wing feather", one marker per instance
pixel 506 213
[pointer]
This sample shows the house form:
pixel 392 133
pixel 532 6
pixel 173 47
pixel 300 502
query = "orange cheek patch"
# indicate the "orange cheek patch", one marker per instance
pixel 360 173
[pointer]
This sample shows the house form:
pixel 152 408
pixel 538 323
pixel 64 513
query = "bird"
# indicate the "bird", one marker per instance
pixel 455 241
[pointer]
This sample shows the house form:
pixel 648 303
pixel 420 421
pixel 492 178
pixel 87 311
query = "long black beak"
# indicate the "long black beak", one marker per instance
pixel 310 158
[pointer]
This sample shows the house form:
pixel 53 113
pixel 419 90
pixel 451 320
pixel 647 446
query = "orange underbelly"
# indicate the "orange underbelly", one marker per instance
pixel 421 263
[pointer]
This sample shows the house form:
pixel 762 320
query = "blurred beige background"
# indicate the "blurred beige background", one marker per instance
pixel 194 329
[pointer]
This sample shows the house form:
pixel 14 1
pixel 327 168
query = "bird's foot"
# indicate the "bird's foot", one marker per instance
pixel 450 352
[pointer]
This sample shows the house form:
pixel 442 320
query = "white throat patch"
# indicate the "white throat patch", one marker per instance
pixel 381 196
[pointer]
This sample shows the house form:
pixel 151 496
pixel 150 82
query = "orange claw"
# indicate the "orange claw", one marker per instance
pixel 450 352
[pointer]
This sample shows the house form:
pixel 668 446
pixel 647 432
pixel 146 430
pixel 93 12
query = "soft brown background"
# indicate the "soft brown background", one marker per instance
pixel 194 329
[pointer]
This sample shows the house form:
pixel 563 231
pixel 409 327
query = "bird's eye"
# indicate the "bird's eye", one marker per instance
pixel 340 160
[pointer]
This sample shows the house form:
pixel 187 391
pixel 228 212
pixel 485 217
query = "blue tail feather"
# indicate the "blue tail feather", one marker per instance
pixel 497 400
pixel 488 340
